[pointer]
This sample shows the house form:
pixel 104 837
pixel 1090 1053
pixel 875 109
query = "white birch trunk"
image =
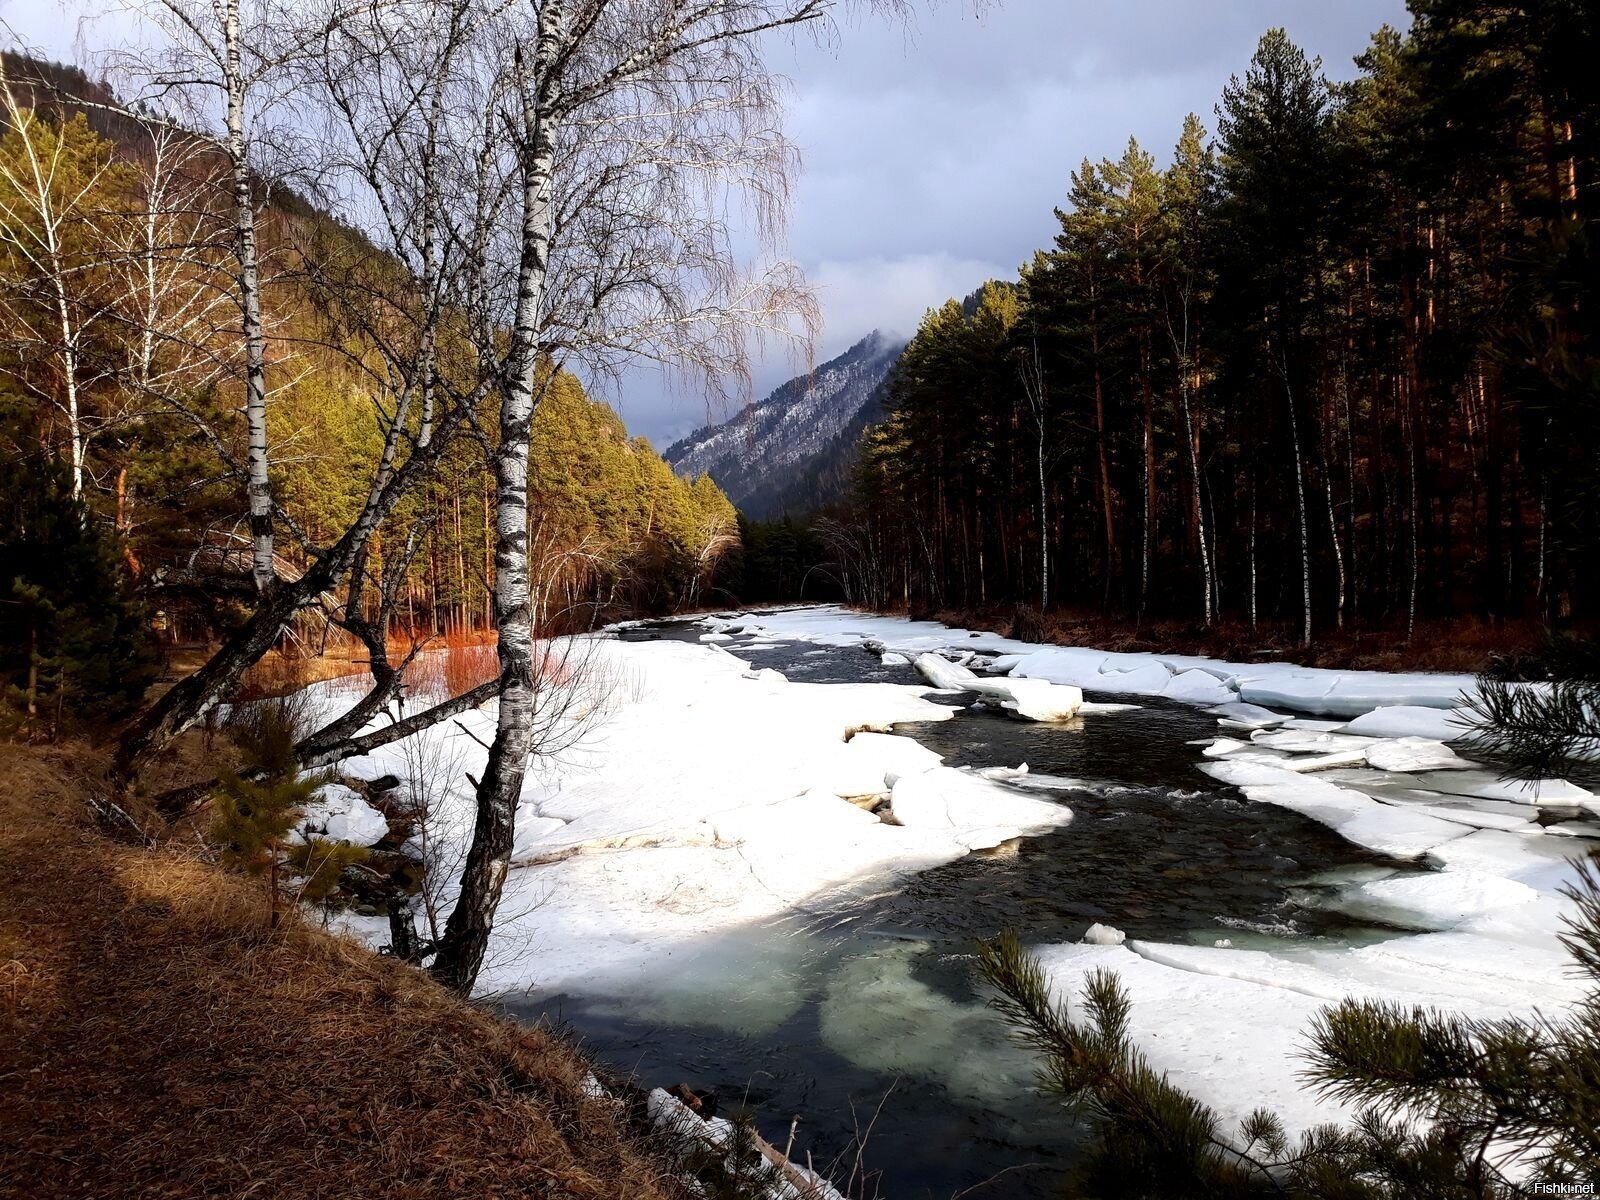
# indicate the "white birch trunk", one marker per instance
pixel 466 937
pixel 258 485
pixel 1044 530
pixel 1199 503
pixel 1300 499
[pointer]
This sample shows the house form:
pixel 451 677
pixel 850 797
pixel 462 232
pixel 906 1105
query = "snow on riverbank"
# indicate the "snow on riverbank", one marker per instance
pixel 1230 1025
pixel 708 797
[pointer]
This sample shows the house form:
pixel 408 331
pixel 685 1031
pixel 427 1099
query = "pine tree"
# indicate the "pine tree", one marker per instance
pixel 1186 282
pixel 1275 131
pixel 75 643
pixel 257 807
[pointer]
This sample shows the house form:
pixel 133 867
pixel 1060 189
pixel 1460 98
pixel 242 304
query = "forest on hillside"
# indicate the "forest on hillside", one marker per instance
pixel 123 446
pixel 1334 363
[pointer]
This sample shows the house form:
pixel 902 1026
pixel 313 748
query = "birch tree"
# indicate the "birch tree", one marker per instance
pixel 1037 395
pixel 636 125
pixel 225 66
pixel 386 296
pixel 58 185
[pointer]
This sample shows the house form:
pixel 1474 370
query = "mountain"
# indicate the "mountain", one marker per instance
pixel 790 452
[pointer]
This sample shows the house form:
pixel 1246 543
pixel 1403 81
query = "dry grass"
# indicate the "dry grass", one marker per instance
pixel 158 1042
pixel 1464 644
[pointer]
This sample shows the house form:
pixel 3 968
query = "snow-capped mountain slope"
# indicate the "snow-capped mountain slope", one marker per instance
pixel 758 455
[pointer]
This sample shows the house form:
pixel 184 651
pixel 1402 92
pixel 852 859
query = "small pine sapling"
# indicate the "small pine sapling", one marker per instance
pixel 257 807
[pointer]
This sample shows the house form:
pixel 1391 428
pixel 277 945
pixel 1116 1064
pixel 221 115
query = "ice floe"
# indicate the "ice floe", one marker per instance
pixel 1035 699
pixel 1301 741
pixel 1410 720
pixel 1103 935
pixel 977 813
pixel 1247 716
pixel 1491 786
pixel 1441 900
pixel 1358 818
pixel 1413 754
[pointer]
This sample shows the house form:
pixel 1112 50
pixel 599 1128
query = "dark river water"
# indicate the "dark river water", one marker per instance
pixel 861 1016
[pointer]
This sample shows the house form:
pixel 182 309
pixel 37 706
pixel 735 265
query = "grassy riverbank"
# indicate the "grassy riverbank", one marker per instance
pixel 158 1039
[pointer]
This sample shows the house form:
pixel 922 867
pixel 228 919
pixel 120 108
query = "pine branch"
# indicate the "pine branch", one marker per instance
pixel 1537 730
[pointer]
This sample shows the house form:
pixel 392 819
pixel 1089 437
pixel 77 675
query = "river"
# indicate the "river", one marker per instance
pixel 860 1016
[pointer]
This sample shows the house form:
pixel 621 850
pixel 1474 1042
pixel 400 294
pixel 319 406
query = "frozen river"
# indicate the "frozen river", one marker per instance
pixel 701 894
pixel 863 1013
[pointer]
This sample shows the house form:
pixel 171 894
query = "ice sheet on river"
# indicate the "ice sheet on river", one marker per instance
pixel 709 798
pixel 1356 817
pixel 1230 1026
pixel 1035 699
pixel 1190 678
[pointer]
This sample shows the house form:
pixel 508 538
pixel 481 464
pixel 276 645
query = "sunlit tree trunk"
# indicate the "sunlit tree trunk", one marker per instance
pixel 466 936
pixel 258 484
pixel 1300 507
pixel 1191 438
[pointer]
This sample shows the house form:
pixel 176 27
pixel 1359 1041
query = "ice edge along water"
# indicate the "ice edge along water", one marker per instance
pixel 716 796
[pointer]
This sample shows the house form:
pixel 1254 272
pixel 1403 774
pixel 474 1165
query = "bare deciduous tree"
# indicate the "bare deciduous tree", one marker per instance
pixel 387 296
pixel 631 123
pixel 53 230
pixel 224 65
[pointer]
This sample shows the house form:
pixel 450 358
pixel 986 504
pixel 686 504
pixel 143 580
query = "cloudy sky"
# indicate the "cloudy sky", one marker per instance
pixel 934 153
